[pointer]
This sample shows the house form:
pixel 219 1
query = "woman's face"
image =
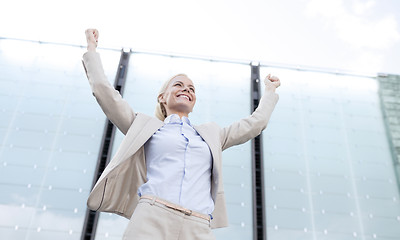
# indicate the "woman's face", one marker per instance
pixel 179 97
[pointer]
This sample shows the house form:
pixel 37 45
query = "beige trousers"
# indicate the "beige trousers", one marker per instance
pixel 154 221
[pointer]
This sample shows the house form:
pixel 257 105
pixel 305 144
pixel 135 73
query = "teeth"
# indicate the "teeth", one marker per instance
pixel 184 96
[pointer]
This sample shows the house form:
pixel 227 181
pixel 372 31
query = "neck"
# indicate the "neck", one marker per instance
pixel 180 114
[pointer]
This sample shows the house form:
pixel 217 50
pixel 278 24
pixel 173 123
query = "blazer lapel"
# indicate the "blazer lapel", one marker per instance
pixel 141 130
pixel 147 126
pixel 207 135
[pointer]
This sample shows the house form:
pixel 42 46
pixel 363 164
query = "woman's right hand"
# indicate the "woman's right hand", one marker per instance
pixel 92 38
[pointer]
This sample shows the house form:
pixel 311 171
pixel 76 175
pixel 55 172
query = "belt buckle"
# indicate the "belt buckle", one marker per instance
pixel 187 212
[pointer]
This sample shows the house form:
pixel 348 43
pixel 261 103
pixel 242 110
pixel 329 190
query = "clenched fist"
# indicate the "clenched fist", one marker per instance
pixel 92 38
pixel 271 82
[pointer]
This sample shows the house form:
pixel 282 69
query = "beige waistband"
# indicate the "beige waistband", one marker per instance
pixel 186 211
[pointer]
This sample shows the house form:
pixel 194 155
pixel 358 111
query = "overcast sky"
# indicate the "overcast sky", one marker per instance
pixel 360 36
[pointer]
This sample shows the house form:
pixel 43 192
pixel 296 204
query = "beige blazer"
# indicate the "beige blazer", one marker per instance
pixel 116 189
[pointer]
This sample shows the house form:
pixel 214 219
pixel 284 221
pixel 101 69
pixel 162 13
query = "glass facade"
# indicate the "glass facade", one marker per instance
pixel 50 133
pixel 328 166
pixel 327 161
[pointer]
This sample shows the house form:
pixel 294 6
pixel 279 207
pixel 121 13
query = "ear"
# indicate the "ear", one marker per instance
pixel 161 98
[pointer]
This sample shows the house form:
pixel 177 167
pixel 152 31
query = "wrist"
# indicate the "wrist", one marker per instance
pixel 91 48
pixel 270 89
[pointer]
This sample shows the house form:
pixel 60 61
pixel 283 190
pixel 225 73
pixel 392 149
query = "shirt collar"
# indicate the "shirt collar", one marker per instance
pixel 174 118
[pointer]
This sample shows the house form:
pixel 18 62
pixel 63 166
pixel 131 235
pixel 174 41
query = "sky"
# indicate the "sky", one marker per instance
pixel 357 36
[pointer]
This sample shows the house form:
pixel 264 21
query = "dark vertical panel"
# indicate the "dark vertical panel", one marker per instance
pixel 257 163
pixel 92 217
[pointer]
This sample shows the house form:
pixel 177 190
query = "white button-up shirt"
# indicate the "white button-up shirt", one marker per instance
pixel 179 164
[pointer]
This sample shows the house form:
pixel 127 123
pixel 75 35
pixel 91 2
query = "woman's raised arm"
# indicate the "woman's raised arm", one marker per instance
pixel 250 127
pixel 110 100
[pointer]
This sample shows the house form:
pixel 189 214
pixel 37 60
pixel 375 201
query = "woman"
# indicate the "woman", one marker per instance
pixel 166 176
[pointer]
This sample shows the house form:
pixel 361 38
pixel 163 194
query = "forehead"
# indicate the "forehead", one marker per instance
pixel 183 79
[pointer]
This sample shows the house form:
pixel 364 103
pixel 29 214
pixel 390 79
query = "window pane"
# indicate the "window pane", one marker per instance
pixel 328 167
pixel 50 132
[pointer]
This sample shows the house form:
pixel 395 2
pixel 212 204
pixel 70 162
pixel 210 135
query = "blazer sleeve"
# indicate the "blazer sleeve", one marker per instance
pixel 250 127
pixel 110 100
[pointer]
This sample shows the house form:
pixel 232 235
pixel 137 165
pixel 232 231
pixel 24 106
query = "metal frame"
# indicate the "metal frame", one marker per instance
pixel 394 153
pixel 92 217
pixel 259 220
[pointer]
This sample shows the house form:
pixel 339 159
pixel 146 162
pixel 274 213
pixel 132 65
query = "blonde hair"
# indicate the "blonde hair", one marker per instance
pixel 161 112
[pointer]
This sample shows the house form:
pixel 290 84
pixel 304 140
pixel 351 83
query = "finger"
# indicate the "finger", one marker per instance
pixel 277 83
pixel 273 78
pixel 96 34
pixel 89 31
pixel 267 78
pixel 89 34
pixel 92 35
pixel 92 31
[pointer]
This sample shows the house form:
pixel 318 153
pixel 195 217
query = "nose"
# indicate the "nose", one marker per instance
pixel 186 89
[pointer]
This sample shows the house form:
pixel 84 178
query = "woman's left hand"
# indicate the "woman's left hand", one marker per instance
pixel 271 82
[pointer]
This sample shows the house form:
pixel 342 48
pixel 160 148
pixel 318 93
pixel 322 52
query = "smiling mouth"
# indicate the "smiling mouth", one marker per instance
pixel 184 96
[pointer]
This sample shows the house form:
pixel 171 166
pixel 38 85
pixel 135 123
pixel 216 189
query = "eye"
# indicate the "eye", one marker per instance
pixel 178 84
pixel 192 90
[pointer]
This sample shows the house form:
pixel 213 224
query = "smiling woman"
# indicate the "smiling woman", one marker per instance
pixel 166 176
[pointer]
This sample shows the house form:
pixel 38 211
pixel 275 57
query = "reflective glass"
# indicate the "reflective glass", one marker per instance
pixel 50 133
pixel 223 96
pixel 328 167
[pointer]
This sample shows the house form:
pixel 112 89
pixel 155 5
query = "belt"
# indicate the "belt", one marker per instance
pixel 178 208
